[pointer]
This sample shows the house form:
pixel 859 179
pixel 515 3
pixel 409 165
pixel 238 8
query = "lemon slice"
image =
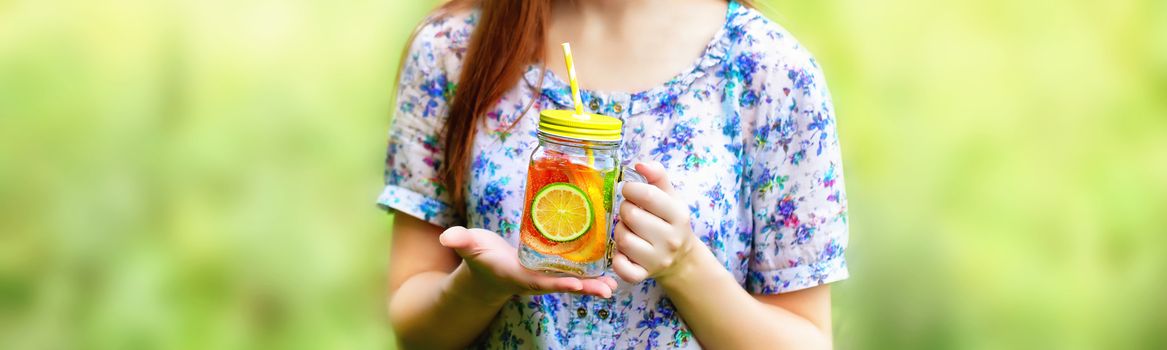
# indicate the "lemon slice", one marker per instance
pixel 561 212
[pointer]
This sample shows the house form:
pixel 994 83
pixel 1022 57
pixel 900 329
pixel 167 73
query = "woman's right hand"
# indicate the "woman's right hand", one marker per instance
pixel 494 264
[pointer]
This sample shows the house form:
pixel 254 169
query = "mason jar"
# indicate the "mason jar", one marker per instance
pixel 568 206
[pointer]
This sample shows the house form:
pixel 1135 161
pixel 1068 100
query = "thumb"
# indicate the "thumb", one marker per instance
pixel 458 238
pixel 656 175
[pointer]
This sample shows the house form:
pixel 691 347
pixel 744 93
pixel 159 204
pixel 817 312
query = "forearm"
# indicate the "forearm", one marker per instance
pixel 435 310
pixel 722 315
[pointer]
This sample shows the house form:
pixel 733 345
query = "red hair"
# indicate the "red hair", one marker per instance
pixel 508 37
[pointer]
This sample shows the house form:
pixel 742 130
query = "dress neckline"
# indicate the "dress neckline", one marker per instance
pixel 559 92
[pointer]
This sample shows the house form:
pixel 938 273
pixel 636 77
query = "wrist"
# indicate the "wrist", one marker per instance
pixel 466 285
pixel 692 264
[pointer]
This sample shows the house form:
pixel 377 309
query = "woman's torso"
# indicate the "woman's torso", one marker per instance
pixel 701 126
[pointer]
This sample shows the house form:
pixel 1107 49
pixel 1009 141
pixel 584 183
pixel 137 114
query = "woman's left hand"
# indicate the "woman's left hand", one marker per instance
pixel 653 237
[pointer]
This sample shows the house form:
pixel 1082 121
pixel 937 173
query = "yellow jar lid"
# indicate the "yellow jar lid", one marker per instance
pixel 587 126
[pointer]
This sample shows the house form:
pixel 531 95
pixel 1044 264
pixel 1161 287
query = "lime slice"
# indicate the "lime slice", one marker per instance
pixel 561 212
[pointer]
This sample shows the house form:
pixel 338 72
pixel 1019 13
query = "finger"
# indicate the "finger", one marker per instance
pixel 597 287
pixel 656 175
pixel 643 224
pixel 555 284
pixel 627 270
pixel 654 200
pixel 611 282
pixel 631 245
pixel 459 239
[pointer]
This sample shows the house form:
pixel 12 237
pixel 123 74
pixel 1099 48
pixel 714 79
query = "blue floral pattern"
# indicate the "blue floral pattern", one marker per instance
pixel 747 134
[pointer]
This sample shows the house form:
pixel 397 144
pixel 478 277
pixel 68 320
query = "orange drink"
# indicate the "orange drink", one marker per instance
pixel 567 216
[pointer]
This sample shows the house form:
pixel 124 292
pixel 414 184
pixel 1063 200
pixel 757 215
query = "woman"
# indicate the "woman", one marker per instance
pixel 730 246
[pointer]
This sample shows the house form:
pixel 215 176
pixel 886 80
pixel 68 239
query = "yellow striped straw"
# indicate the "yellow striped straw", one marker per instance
pixel 573 81
pixel 575 99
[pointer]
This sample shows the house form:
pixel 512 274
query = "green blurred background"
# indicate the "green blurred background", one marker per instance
pixel 201 174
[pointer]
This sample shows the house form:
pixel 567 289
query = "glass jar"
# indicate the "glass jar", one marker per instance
pixel 567 215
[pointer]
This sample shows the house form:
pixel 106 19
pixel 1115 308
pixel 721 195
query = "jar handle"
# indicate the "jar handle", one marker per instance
pixel 627 174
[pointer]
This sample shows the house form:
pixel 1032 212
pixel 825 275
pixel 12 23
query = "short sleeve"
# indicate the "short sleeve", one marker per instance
pixel 415 151
pixel 797 195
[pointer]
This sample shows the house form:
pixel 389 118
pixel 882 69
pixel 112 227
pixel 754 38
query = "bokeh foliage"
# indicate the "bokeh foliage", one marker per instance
pixel 200 174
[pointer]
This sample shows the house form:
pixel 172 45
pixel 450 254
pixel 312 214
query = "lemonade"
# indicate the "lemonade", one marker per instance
pixel 568 211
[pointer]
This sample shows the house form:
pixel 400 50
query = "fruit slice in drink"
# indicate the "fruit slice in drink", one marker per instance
pixel 567 213
pixel 562 212
pixel 595 243
pixel 543 173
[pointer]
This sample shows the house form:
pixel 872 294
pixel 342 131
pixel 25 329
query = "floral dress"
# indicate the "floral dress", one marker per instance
pixel 747 135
